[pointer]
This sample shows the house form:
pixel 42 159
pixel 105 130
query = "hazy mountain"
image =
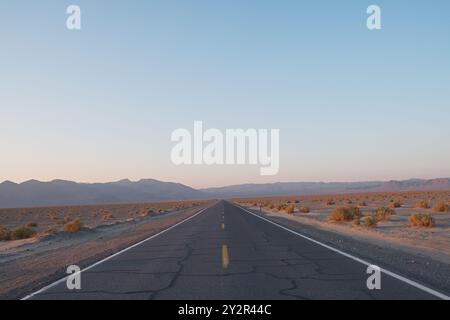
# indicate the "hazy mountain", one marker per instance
pixel 58 192
pixel 305 188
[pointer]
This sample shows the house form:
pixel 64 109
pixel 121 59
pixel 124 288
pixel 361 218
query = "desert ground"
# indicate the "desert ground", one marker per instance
pixel 415 222
pixel 39 243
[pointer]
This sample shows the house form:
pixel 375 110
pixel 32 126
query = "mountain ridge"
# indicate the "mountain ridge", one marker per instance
pixel 309 188
pixel 34 193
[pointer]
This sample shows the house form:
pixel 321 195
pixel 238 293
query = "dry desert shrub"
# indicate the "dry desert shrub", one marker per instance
pixel 441 207
pixel 304 209
pixel 422 220
pixel 394 204
pixel 290 209
pixel 73 226
pixel 31 224
pixel 331 202
pixel 108 216
pixel 370 221
pixel 267 204
pixel 356 222
pixel 22 233
pixel 348 213
pixel 383 214
pixel 422 204
pixel 5 234
pixel 142 213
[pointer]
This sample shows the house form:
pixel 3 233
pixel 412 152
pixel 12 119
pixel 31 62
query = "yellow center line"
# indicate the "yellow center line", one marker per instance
pixel 223 226
pixel 225 257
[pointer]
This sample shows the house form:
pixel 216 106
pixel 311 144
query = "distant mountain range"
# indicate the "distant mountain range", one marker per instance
pixel 309 188
pixel 59 192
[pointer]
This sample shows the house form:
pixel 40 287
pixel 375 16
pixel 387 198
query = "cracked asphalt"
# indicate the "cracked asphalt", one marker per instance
pixel 225 253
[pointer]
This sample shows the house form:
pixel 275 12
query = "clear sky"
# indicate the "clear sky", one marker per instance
pixel 100 104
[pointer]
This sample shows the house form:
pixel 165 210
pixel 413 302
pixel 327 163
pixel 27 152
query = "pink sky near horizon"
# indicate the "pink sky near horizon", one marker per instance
pixel 199 181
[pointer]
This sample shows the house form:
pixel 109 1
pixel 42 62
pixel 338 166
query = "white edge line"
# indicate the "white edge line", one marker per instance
pixel 114 255
pixel 392 274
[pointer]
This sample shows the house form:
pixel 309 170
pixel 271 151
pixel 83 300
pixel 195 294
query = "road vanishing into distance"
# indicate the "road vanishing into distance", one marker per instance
pixel 228 253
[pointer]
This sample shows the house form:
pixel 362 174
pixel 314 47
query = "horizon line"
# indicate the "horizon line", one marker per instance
pixel 224 186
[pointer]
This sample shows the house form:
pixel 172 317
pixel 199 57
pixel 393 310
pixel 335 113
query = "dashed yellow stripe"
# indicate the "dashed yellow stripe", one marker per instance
pixel 223 226
pixel 225 257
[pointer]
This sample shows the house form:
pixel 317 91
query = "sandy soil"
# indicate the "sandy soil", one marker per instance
pixel 92 216
pixel 397 233
pixel 27 265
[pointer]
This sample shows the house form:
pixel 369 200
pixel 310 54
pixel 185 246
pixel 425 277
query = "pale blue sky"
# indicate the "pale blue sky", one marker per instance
pixel 100 104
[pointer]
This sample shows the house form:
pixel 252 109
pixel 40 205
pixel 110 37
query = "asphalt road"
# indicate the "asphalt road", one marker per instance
pixel 227 253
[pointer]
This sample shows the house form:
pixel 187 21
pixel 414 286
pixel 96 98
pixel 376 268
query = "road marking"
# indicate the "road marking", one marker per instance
pixel 392 274
pixel 115 255
pixel 223 226
pixel 225 257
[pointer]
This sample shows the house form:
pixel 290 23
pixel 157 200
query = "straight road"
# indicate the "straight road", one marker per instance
pixel 227 253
